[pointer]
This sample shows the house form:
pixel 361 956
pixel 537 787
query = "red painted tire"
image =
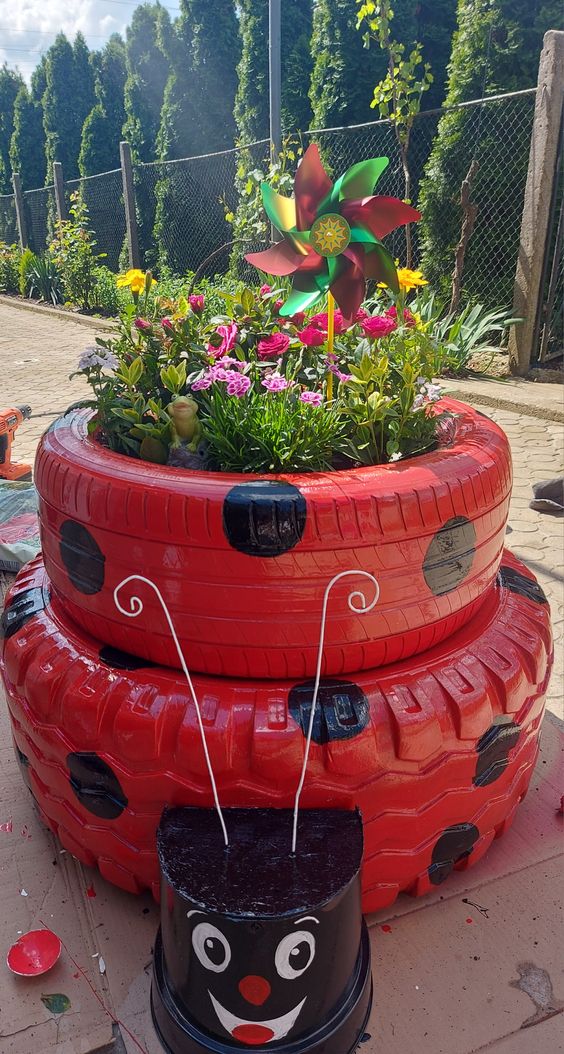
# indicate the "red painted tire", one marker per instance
pixel 436 751
pixel 244 562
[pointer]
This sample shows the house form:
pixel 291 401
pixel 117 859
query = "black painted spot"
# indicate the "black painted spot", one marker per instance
pixel 95 785
pixel 342 710
pixel 455 843
pixel 21 609
pixel 518 583
pixel 493 752
pixel 122 660
pixel 264 518
pixel 82 557
pixel 450 555
pixel 23 762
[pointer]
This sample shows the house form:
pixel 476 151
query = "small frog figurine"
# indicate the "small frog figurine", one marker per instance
pixel 186 428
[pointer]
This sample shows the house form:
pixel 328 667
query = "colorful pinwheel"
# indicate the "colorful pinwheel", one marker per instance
pixel 332 234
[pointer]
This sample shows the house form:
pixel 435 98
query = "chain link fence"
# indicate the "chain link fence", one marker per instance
pixel 181 205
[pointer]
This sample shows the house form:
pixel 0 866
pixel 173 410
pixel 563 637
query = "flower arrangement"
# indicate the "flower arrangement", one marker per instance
pixel 252 391
pixel 269 386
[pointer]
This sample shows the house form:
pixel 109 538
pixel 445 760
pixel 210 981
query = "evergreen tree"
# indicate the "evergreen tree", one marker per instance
pixel 102 129
pixel 10 84
pixel 68 98
pixel 252 98
pixel 496 48
pixel 27 146
pixel 147 74
pixel 435 23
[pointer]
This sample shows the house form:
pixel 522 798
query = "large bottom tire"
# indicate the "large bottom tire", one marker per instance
pixel 436 751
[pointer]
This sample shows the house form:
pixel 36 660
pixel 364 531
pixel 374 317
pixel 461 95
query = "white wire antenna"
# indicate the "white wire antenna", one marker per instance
pixel 363 609
pixel 136 608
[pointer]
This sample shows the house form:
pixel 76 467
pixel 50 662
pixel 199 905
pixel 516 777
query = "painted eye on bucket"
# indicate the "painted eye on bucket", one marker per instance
pixel 294 954
pixel 211 947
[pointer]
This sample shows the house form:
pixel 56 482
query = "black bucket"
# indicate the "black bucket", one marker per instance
pixel 260 949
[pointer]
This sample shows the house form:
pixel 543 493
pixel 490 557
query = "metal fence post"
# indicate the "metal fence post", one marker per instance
pixel 535 223
pixel 62 212
pixel 129 203
pixel 20 214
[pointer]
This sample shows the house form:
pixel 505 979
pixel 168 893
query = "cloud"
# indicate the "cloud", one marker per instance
pixel 29 27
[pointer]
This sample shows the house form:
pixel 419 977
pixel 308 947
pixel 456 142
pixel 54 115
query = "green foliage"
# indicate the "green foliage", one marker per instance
pixel 43 281
pixel 251 101
pixel 102 129
pixel 26 262
pixel 511 31
pixel 73 252
pixel 465 335
pixel 68 99
pixel 27 146
pixel 9 268
pixel 10 84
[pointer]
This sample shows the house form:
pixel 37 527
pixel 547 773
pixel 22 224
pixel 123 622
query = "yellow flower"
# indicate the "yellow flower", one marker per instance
pixel 135 279
pixel 410 279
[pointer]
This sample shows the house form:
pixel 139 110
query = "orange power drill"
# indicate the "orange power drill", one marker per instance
pixel 9 421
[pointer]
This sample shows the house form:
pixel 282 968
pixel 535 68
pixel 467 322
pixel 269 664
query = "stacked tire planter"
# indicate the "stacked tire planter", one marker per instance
pixel 430 705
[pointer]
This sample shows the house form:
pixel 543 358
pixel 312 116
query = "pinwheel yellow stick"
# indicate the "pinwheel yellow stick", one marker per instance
pixel 330 340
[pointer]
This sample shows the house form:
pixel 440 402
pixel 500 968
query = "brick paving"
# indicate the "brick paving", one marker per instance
pixel 442 986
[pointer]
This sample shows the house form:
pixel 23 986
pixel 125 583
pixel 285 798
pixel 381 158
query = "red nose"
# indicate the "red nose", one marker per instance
pixel 255 990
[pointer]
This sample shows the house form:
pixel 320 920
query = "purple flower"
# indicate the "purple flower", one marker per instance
pixel 95 356
pixel 273 346
pixel 312 398
pixel 197 302
pixel 238 385
pixel 333 368
pixel 204 382
pixel 275 382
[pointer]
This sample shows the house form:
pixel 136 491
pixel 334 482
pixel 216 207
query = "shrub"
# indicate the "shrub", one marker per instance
pixel 9 268
pixel 43 280
pixel 74 253
pixel 28 260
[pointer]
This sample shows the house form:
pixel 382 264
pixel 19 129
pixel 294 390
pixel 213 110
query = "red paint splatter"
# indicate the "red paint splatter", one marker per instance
pixel 386 929
pixel 469 920
pixel 7 827
pixel 91 892
pixel 75 975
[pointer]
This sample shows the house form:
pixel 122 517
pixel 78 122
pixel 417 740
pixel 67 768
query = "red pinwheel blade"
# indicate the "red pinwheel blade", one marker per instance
pixel 311 186
pixel 379 215
pixel 280 259
pixel 350 286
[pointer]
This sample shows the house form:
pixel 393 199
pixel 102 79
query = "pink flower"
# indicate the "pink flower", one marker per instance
pixel 143 325
pixel 361 314
pixel 277 305
pixel 204 382
pixel 378 326
pixel 228 336
pixel 312 337
pixel 275 382
pixel 320 321
pixel 273 346
pixel 197 301
pixel 333 368
pixel 167 323
pixel 265 289
pixel 238 385
pixel 311 398
pixel 298 319
pixel 408 318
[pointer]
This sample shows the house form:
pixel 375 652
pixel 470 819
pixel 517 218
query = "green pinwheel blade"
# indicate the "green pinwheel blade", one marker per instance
pixel 302 300
pixel 362 235
pixel 357 182
pixel 280 211
pixel 381 267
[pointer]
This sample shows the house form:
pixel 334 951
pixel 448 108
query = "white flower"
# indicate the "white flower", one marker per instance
pixel 95 356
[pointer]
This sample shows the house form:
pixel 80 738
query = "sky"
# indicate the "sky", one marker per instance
pixel 28 27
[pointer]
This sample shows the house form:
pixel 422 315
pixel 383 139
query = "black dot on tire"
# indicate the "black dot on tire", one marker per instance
pixel 95 785
pixel 122 660
pixel 511 579
pixel 82 557
pixel 449 556
pixel 264 518
pixel 22 608
pixel 342 710
pixel 493 752
pixel 455 843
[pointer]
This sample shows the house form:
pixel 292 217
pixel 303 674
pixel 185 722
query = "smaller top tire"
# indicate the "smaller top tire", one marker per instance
pixel 243 562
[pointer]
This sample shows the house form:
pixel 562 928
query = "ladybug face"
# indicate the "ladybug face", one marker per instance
pixel 262 1006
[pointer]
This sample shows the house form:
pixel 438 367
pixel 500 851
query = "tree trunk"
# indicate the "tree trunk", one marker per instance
pixel 470 212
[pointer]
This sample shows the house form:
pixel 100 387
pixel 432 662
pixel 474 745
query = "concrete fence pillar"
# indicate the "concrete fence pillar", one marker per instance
pixel 129 204
pixel 20 212
pixel 58 180
pixel 535 224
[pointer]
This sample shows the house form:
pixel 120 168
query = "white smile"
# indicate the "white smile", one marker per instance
pixel 279 1026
